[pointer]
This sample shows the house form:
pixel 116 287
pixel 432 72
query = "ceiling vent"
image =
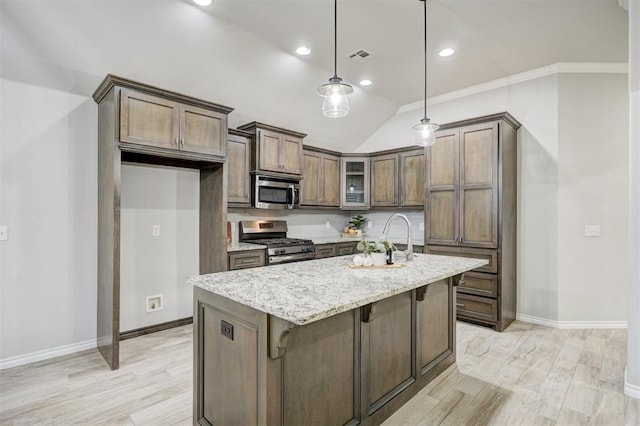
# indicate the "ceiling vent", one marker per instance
pixel 361 56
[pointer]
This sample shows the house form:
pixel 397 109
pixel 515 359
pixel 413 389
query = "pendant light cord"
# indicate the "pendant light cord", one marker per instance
pixel 425 58
pixel 335 38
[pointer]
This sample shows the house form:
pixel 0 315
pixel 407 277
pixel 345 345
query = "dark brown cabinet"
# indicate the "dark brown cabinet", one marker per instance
pixel 470 211
pixel 275 150
pixel 142 124
pixel 246 259
pixel 325 250
pixel 321 183
pixel 397 179
pixel 238 168
pixel 164 123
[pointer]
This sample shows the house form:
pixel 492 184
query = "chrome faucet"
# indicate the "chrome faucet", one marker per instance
pixel 385 232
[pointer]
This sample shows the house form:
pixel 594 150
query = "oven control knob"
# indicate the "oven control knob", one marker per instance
pixel 280 251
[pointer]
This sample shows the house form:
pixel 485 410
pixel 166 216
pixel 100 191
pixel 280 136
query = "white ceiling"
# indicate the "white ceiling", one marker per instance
pixel 240 52
pixel 492 38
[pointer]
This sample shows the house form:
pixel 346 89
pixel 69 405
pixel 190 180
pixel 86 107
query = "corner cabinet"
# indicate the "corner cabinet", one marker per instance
pixel 143 124
pixel 321 183
pixel 275 150
pixel 238 168
pixel 470 211
pixel 354 177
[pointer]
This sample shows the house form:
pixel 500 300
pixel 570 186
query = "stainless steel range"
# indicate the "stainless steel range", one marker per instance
pixel 273 234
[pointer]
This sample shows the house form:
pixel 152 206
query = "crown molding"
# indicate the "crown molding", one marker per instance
pixel 559 68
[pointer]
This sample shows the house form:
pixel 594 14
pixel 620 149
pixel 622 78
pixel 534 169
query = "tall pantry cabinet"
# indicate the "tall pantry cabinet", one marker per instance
pixel 470 211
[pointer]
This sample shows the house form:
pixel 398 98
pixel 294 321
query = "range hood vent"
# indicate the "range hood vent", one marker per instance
pixel 361 56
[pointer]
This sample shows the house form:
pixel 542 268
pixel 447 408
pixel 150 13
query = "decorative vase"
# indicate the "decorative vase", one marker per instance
pixel 379 259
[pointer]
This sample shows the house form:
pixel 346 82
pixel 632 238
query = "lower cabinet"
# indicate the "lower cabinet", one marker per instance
pixel 357 367
pixel 245 259
pixel 343 249
pixel 325 250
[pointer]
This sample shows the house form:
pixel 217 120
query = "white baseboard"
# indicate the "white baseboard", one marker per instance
pixel 570 324
pixel 16 361
pixel 629 389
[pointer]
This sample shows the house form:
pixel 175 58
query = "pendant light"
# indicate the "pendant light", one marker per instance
pixel 425 135
pixel 335 103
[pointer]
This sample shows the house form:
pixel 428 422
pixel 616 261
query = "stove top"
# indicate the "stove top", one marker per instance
pixel 279 242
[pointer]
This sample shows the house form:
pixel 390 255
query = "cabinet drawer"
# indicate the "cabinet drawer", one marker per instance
pixel 325 250
pixel 343 249
pixel 245 259
pixel 490 255
pixel 479 284
pixel 479 308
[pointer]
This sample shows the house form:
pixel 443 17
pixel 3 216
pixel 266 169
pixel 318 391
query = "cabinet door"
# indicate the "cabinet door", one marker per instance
pixel 311 182
pixel 325 250
pixel 384 180
pixel 354 182
pixel 238 178
pixel 148 120
pixel 387 362
pixel 435 324
pixel 412 175
pixel 269 151
pixel 291 155
pixel 479 185
pixel 330 185
pixel 442 193
pixel 202 131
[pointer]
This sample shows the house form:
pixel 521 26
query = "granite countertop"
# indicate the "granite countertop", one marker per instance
pixel 303 292
pixel 244 246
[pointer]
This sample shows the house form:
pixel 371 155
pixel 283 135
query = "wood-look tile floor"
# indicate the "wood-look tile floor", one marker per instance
pixel 527 375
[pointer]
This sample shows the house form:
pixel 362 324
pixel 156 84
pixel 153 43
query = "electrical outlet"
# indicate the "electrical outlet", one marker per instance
pixel 421 226
pixel 4 233
pixel 155 230
pixel 369 225
pixel 154 303
pixel 226 329
pixel 327 225
pixel 592 230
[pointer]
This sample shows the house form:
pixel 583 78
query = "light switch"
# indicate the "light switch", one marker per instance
pixel 369 225
pixel 592 230
pixel 155 230
pixel 421 226
pixel 327 225
pixel 4 233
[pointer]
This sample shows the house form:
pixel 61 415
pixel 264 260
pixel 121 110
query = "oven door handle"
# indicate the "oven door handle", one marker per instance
pixel 274 260
pixel 292 195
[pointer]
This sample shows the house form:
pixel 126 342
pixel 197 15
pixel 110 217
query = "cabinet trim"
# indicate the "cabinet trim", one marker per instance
pixel 255 124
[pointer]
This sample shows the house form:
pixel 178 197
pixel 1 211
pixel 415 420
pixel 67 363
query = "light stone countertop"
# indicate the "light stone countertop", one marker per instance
pixel 303 292
pixel 339 239
pixel 244 246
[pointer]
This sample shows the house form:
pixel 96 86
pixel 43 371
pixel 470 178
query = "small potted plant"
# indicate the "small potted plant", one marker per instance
pixel 374 249
pixel 357 222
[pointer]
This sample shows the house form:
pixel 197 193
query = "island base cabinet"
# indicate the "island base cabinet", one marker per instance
pixel 356 367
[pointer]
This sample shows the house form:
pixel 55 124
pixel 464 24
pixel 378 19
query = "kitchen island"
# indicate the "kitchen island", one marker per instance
pixel 318 342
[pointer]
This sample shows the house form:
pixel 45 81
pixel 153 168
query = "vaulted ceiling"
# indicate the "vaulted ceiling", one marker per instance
pixel 241 52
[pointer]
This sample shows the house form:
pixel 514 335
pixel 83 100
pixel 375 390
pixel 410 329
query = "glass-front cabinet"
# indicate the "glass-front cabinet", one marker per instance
pixel 355 183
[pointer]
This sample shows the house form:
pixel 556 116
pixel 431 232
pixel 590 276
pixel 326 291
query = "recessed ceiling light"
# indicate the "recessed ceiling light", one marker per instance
pixel 446 52
pixel 202 2
pixel 365 82
pixel 303 50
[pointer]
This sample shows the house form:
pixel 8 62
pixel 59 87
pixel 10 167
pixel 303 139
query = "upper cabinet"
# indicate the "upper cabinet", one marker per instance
pixel 384 180
pixel 397 179
pixel 238 168
pixel 163 123
pixel 354 192
pixel 321 183
pixel 276 150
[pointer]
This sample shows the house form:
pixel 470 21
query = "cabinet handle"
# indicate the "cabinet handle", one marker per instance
pixel 461 305
pixel 182 142
pixel 177 142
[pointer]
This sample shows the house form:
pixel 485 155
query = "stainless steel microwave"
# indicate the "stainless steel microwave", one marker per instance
pixel 275 193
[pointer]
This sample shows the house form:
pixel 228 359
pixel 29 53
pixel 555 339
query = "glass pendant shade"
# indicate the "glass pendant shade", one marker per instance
pixel 425 132
pixel 335 103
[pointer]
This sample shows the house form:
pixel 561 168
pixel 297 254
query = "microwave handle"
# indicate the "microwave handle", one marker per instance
pixel 292 194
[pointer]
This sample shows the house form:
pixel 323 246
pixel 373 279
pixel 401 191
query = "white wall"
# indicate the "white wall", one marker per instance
pixel 48 199
pixel 593 190
pixel 534 104
pixel 152 265
pixel 570 174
